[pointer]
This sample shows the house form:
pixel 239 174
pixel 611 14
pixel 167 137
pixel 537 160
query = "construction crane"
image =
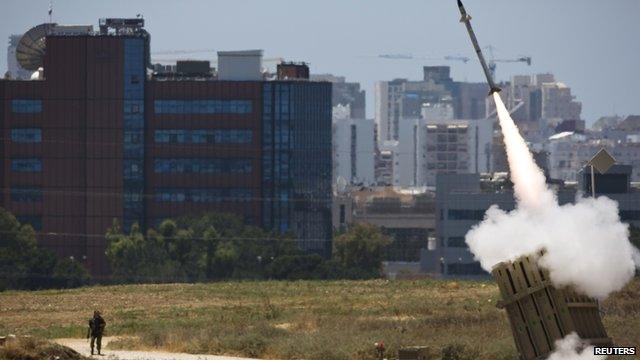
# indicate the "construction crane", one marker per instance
pixel 464 59
pixel 493 61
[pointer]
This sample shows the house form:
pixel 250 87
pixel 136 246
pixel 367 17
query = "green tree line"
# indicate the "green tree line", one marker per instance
pixel 24 265
pixel 210 247
pixel 220 246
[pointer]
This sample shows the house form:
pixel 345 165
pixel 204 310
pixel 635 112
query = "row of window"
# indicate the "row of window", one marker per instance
pixel 26 194
pixel 226 136
pixel 160 106
pixel 210 195
pixel 202 166
pixel 26 165
pixel 220 136
pixel 26 135
pixel 202 106
pixel 26 106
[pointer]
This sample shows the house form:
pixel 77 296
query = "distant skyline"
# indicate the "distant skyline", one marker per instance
pixel 589 45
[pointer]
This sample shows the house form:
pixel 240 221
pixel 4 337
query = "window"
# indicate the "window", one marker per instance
pixel 133 169
pixel 26 165
pixel 203 106
pixel 222 136
pixel 26 106
pixel 133 107
pixel 26 194
pixel 203 195
pixel 26 135
pixel 203 166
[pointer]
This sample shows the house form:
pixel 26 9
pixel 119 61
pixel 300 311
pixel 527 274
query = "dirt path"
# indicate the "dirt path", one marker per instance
pixel 82 346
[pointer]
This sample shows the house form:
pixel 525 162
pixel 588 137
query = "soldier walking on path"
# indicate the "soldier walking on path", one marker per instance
pixel 96 329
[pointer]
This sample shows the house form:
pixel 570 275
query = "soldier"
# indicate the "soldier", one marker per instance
pixel 96 329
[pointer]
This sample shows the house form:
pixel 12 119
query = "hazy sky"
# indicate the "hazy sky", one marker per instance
pixel 591 45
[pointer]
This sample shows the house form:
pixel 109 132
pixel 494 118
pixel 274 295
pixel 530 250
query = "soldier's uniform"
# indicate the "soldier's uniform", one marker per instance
pixel 96 329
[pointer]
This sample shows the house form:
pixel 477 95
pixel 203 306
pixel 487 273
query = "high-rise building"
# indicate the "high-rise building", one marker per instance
pixel 431 147
pixel 404 99
pixel 531 99
pixel 97 140
pixel 345 94
pixel 354 151
pixel 455 147
pixel 558 103
pixel 384 163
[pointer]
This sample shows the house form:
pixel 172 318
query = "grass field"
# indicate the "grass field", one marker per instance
pixel 292 320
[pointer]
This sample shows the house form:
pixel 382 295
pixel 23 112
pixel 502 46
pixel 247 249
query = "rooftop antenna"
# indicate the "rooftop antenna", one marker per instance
pixel 50 10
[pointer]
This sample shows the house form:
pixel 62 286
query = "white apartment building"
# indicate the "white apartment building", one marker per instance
pixel 428 147
pixel 388 108
pixel 354 151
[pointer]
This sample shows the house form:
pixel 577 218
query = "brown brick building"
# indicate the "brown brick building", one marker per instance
pixel 98 139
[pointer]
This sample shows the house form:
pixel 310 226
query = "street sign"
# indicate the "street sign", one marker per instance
pixel 602 161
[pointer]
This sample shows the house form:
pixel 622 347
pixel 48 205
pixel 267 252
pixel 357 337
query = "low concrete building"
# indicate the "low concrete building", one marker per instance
pixel 463 199
pixel 407 218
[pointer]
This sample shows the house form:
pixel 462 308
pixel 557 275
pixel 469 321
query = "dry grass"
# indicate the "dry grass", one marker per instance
pixel 292 320
pixel 30 348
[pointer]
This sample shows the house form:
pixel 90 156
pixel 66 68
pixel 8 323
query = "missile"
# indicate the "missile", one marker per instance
pixel 466 19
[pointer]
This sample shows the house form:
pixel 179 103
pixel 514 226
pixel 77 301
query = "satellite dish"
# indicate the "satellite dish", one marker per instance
pixel 30 49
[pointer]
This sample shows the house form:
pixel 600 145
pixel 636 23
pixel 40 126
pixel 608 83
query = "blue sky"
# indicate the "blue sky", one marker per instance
pixel 590 45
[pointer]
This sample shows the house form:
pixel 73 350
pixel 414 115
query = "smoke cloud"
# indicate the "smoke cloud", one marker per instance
pixel 587 246
pixel 573 348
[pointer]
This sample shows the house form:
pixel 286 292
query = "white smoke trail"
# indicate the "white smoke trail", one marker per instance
pixel 529 181
pixel 573 348
pixel 586 244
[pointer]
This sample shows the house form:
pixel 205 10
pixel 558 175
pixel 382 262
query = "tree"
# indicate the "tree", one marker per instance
pixel 208 247
pixel 139 258
pixel 23 265
pixel 359 251
pixel 70 273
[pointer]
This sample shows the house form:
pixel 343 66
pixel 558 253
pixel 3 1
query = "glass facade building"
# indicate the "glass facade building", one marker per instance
pixel 296 162
pixel 98 139
pixel 133 162
pixel 186 136
pixel 202 106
